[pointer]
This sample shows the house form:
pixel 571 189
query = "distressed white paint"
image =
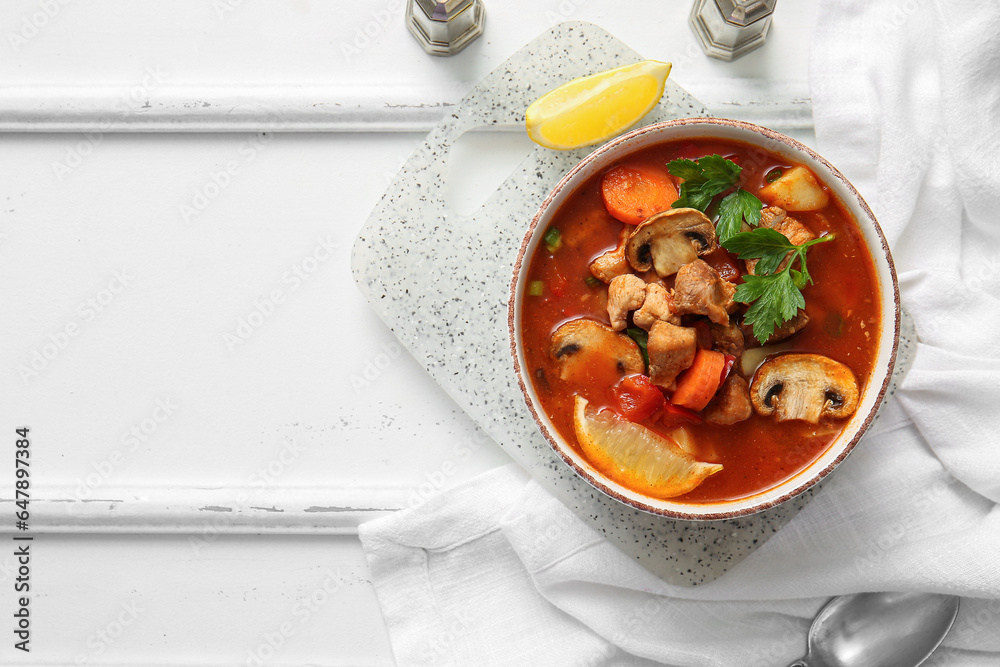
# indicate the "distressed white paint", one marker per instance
pixel 192 108
pixel 329 510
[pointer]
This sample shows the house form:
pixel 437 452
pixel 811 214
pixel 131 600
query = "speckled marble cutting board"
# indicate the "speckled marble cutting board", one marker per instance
pixel 440 282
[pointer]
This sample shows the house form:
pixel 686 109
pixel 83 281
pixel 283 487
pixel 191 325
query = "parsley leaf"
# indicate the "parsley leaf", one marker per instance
pixel 775 300
pixel 734 208
pixel 716 167
pixel 771 247
pixel 696 198
pixel 704 178
pixel 774 292
pixel 686 169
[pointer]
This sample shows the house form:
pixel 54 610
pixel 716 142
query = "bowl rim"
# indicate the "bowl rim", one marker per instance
pixel 801 485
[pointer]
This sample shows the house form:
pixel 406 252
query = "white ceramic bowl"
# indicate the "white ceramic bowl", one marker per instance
pixel 874 390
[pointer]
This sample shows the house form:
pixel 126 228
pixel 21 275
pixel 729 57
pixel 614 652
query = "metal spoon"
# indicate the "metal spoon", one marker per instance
pixel 879 630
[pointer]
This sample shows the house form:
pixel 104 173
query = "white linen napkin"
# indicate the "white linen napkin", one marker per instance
pixel 497 572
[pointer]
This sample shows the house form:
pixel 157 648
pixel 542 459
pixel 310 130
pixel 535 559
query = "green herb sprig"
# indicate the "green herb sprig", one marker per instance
pixel 708 177
pixel 775 293
pixel 704 178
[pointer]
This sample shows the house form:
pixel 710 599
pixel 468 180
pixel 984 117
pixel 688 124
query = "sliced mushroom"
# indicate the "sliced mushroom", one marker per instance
pixel 731 404
pixel 583 345
pixel 658 306
pixel 783 332
pixel 671 349
pixel 804 386
pixel 625 294
pixel 612 264
pixel 667 241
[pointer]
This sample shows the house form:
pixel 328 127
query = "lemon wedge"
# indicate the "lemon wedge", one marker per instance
pixel 594 108
pixel 636 457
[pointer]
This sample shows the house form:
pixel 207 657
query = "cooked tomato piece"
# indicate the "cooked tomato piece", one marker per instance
pixel 725 264
pixel 637 398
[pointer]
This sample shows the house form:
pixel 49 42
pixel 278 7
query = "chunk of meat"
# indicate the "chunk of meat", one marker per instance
pixel 731 404
pixel 728 339
pixel 771 216
pixel 796 232
pixel 625 294
pixel 613 263
pixel 786 330
pixel 671 350
pixel 775 218
pixel 658 306
pixel 700 290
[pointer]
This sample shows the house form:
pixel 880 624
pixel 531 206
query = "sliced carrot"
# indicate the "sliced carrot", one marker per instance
pixel 633 193
pixel 697 385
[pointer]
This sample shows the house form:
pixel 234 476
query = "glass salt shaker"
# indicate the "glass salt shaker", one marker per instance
pixel 728 29
pixel 445 27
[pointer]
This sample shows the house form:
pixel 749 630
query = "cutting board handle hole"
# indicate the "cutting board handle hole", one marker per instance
pixel 479 162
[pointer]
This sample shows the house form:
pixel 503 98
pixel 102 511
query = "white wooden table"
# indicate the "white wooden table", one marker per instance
pixel 213 406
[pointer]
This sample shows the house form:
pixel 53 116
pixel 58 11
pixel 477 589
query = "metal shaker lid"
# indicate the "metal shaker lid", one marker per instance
pixel 744 12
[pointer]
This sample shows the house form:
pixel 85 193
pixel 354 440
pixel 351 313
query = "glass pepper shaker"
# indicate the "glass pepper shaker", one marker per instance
pixel 728 29
pixel 445 27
